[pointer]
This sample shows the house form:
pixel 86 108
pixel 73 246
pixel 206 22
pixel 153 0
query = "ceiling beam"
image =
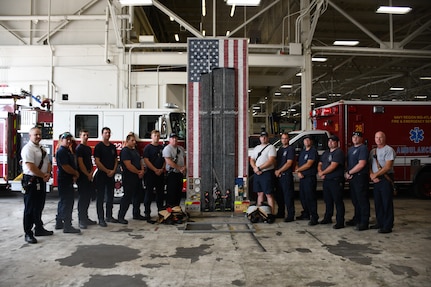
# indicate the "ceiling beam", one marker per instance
pixel 177 19
pixel 357 24
pixel 67 21
pixel 13 33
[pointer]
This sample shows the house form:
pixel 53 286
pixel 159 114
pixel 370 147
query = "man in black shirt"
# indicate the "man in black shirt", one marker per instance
pixel 283 173
pixel 154 177
pixel 331 170
pixel 67 175
pixel 133 172
pixel 105 155
pixel 86 189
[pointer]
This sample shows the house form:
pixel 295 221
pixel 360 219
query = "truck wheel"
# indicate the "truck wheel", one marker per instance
pixel 423 185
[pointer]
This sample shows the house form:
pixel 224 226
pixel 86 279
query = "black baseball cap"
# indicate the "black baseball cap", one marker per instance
pixel 263 134
pixel 307 137
pixel 359 134
pixel 334 138
pixel 173 135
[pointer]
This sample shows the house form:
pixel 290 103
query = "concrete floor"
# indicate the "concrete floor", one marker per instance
pixel 215 253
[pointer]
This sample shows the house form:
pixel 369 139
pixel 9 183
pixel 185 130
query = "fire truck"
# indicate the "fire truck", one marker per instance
pixel 121 122
pixel 15 123
pixel 407 126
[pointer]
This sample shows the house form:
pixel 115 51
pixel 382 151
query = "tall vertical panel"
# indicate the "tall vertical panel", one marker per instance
pixel 205 127
pixel 203 56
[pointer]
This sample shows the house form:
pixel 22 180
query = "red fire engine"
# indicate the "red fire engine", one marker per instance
pixel 407 126
pixel 15 123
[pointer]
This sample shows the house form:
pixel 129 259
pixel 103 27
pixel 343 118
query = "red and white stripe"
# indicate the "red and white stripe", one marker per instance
pixel 233 53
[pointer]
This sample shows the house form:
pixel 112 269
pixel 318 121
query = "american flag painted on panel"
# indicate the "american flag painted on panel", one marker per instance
pixel 203 56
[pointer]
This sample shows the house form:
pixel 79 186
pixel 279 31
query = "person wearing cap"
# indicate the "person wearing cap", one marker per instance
pixel 133 172
pixel 357 175
pixel 263 161
pixel 331 170
pixel 155 175
pixel 307 171
pixel 67 175
pixel 283 173
pixel 382 174
pixel 175 158
pixel 105 155
pixel 85 185
pixel 36 168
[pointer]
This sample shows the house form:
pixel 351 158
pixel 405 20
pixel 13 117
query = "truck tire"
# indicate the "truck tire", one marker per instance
pixel 423 185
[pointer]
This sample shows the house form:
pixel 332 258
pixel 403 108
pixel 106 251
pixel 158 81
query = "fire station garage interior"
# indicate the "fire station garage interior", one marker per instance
pixel 219 76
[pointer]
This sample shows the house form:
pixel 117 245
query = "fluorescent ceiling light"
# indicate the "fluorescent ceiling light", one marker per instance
pixel 277 94
pixel 421 97
pixel 227 33
pixel 232 11
pixel 319 59
pixel 243 2
pixel 292 110
pixel 177 37
pixel 321 99
pixel 334 95
pixel 256 108
pixel 425 78
pixel 204 8
pixel 298 74
pixel 136 2
pixel 373 96
pixel 345 43
pixel 262 102
pixel 393 10
pixel 285 86
pixel 397 89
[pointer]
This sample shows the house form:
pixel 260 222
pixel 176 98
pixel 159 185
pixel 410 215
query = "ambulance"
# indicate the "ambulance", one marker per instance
pixel 407 126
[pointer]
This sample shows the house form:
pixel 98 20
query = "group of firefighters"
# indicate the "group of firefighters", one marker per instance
pixel 359 167
pixel 75 166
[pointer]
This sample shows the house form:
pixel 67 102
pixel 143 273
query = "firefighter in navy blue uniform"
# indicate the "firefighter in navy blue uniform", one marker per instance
pixel 175 165
pixel 105 156
pixel 86 189
pixel 155 175
pixel 133 172
pixel 36 172
pixel 283 173
pixel 382 174
pixel 357 175
pixel 307 171
pixel 67 175
pixel 331 170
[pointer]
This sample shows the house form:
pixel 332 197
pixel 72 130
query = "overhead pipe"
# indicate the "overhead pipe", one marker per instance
pixel 52 86
pixel 58 18
pixel 365 51
pixel 107 35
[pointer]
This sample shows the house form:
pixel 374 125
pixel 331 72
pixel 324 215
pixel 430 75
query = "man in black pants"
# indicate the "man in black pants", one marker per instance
pixel 133 172
pixel 175 164
pixel 357 175
pixel 382 174
pixel 307 171
pixel 155 175
pixel 105 155
pixel 86 189
pixel 67 175
pixel 37 171
pixel 331 170
pixel 283 173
